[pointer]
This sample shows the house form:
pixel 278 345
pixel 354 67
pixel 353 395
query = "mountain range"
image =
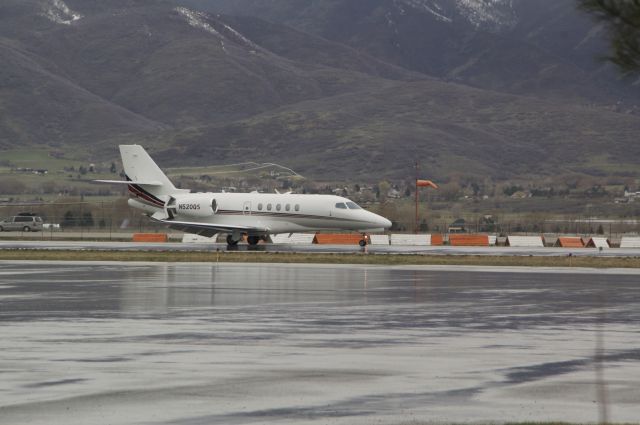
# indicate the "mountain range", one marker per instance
pixel 336 89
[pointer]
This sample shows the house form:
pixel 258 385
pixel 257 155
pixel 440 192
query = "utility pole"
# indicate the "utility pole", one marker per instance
pixel 421 183
pixel 416 222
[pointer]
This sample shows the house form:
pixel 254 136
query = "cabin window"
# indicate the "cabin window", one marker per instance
pixel 341 205
pixel 260 207
pixel 353 206
pixel 278 207
pixel 297 208
pixel 268 207
pixel 288 207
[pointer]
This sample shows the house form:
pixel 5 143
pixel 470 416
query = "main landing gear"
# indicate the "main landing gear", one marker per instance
pixel 252 240
pixel 231 241
pixel 364 241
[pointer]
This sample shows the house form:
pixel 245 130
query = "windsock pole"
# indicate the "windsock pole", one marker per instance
pixel 421 183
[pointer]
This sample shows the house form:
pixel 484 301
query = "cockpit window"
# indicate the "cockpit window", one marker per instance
pixel 341 205
pixel 353 206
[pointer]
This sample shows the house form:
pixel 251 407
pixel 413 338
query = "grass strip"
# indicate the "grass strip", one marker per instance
pixel 318 258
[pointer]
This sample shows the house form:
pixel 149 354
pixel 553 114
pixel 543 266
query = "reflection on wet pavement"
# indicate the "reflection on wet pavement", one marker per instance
pixel 198 344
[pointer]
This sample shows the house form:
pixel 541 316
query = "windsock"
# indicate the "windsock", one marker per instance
pixel 426 183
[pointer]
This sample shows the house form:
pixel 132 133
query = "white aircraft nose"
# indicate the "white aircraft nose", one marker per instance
pixel 385 222
pixel 380 221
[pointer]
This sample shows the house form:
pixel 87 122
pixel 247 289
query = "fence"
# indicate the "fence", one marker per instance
pixel 612 228
pixel 84 219
pixel 116 217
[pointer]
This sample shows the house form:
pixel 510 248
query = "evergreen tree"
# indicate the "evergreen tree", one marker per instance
pixel 622 18
pixel 68 220
pixel 87 219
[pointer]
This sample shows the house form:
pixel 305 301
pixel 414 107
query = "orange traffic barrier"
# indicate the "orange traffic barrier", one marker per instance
pixel 150 237
pixel 469 240
pixel 337 239
pixel 436 240
pixel 570 242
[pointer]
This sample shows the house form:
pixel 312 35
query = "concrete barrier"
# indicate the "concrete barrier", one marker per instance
pixel 379 239
pixel 598 242
pixel 293 239
pixel 410 240
pixel 468 240
pixel 630 242
pixel 569 242
pixel 337 239
pixel 189 238
pixel 150 237
pixel 525 241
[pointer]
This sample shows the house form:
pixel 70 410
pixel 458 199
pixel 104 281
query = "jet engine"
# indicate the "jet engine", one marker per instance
pixel 192 206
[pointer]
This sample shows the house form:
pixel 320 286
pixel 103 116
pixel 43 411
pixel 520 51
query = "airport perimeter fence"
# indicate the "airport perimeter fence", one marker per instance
pixel 610 228
pixel 116 220
pixel 83 220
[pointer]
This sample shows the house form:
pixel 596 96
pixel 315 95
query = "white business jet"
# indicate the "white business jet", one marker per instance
pixel 256 215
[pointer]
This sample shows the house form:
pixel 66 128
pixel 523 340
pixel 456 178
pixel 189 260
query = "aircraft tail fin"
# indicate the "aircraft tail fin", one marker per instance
pixel 145 179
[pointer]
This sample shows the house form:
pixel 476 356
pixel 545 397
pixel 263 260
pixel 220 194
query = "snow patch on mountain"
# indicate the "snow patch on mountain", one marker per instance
pixel 241 38
pixel 493 14
pixel 57 11
pixel 431 7
pixel 197 20
pixel 218 28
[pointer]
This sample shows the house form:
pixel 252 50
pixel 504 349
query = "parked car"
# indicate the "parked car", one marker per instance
pixel 458 226
pixel 25 223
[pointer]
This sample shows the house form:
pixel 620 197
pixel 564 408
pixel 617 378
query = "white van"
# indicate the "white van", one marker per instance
pixel 25 223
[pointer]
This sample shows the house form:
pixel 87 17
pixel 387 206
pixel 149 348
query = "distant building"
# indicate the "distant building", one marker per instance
pixel 520 195
pixel 393 193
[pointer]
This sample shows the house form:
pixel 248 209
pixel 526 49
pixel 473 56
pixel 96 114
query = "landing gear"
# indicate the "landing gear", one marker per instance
pixel 364 241
pixel 231 241
pixel 253 240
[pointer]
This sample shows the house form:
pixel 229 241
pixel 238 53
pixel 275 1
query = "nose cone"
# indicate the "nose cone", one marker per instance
pixel 385 222
pixel 379 221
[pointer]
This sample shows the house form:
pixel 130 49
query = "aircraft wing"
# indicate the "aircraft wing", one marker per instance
pixel 208 229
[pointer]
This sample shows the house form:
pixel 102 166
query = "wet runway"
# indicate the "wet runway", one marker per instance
pixel 138 343
pixel 374 249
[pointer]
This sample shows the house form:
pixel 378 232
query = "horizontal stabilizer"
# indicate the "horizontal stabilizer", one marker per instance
pixel 150 183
